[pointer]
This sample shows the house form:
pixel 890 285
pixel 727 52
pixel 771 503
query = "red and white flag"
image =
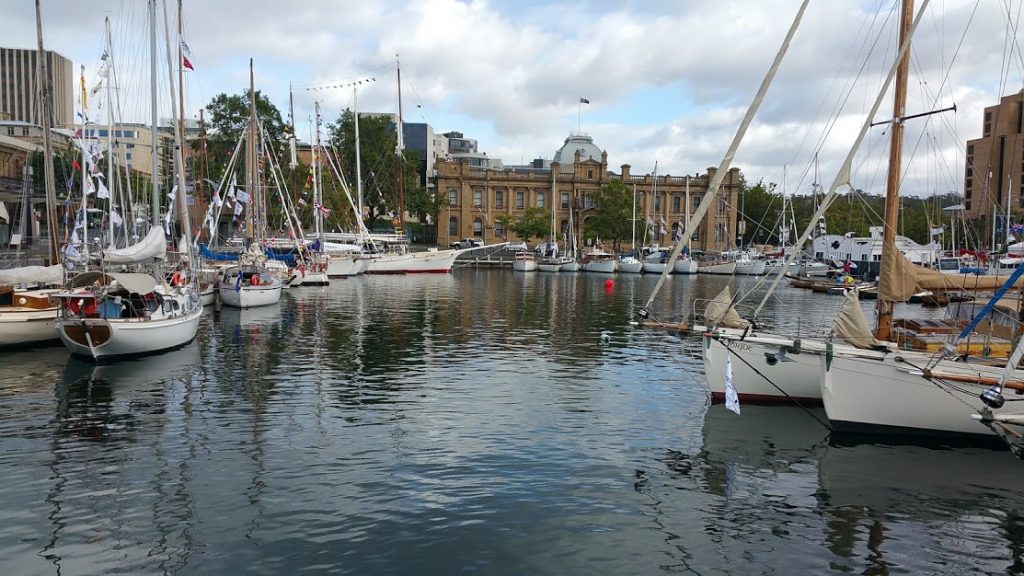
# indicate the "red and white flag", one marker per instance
pixel 186 56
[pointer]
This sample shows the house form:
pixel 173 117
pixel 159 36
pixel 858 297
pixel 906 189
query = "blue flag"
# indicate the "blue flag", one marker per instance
pixel 238 282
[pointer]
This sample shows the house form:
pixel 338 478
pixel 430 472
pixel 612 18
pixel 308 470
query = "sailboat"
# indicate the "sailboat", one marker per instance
pixel 250 283
pixel 127 307
pixel 630 264
pixel 28 310
pixel 552 260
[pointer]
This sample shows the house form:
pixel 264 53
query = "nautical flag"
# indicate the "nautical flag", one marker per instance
pixel 186 56
pixel 3 213
pixel 103 192
pixel 76 166
pixel 324 210
pixel 238 282
pixel 85 99
pixel 216 201
pixel 732 400
pixel 238 208
pixel 584 100
pixel 115 218
pixel 940 229
pixel 242 196
pixel 302 201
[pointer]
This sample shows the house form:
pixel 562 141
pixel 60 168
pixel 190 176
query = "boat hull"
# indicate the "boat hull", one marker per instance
pixel 754 268
pixel 343 265
pixel 25 326
pixel 684 266
pixel 632 266
pixel 525 265
pixel 892 396
pixel 114 338
pixel 437 262
pixel 599 266
pixel 250 296
pixel 727 268
pixel 759 375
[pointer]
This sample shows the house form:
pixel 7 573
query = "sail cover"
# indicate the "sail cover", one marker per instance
pixel 721 312
pixel 133 282
pixel 32 275
pixel 152 247
pixel 897 280
pixel 851 325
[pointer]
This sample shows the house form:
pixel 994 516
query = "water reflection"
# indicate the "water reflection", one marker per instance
pixel 480 421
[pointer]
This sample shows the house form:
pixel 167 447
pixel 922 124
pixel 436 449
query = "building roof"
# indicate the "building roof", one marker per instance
pixel 566 155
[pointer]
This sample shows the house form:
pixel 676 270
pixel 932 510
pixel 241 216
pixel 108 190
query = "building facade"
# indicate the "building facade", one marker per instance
pixel 19 99
pixel 995 162
pixel 477 196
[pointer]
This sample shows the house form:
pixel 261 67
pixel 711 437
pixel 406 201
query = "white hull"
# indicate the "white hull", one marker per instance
pixel 570 266
pixel 524 264
pixel 440 261
pixel 19 326
pixel 128 336
pixel 344 265
pixel 723 268
pixel 599 266
pixel 654 267
pixel 753 268
pixel 250 296
pixel 550 265
pixel 631 266
pixel 890 396
pixel 314 279
pixel 685 266
pixel 796 374
pixel 208 294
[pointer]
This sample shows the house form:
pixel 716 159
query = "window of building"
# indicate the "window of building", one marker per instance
pixel 588 201
pixel 499 198
pixel 967 205
pixel 24 131
pixel 677 204
pixel 453 197
pixel 565 200
pixel 723 205
pixel 540 199
pixel 694 202
pixel 478 227
pixel 657 202
pixel 590 173
pixel 10 130
pixel 453 227
pixel 563 226
pixel 520 199
pixel 478 198
pixel 499 229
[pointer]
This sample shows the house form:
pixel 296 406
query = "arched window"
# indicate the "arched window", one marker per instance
pixel 453 226
pixel 478 227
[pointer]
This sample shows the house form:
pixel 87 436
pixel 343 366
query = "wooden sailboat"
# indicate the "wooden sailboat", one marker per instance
pixel 28 310
pixel 127 307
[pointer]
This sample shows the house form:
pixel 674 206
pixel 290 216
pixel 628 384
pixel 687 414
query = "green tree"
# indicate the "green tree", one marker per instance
pixel 534 223
pixel 229 116
pixel 378 139
pixel 761 210
pixel 612 221
pixel 506 221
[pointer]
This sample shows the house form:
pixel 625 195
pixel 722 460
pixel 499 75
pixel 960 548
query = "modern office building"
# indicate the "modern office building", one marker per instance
pixel 995 163
pixel 19 100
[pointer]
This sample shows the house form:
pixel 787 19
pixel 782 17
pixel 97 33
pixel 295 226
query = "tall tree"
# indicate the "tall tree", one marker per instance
pixel 534 223
pixel 612 221
pixel 229 116
pixel 378 138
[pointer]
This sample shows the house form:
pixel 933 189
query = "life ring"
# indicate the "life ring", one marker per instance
pixel 254 280
pixel 177 279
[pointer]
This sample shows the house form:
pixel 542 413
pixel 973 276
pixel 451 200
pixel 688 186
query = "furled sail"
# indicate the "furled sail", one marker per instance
pixel 24 275
pixel 851 324
pixel 721 312
pixel 897 279
pixel 153 246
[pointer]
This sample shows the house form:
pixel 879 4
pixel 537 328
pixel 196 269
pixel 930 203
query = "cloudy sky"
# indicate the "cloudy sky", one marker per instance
pixel 667 80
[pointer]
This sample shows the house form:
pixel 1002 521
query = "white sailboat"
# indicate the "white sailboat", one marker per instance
pixel 250 283
pixel 28 310
pixel 127 308
pixel 685 264
pixel 630 264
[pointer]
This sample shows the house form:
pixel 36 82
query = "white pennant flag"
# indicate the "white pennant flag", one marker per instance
pixel 173 193
pixel 115 218
pixel 3 213
pixel 103 192
pixel 216 201
pixel 242 196
pixel 732 399
pixel 75 240
pixel 238 209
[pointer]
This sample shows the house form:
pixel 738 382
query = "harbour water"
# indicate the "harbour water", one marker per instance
pixel 479 422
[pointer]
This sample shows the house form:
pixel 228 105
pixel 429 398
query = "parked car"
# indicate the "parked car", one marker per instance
pixel 467 243
pixel 517 247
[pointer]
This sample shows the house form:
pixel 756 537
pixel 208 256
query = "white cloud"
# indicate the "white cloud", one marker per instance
pixel 668 81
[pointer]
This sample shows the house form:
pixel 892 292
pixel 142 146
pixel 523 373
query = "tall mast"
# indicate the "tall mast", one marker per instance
pixel 179 139
pixel 400 151
pixel 633 220
pixel 359 164
pixel 181 99
pixel 317 194
pixel 154 211
pixel 884 306
pixel 688 249
pixel 250 157
pixel 43 77
pixel 108 53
